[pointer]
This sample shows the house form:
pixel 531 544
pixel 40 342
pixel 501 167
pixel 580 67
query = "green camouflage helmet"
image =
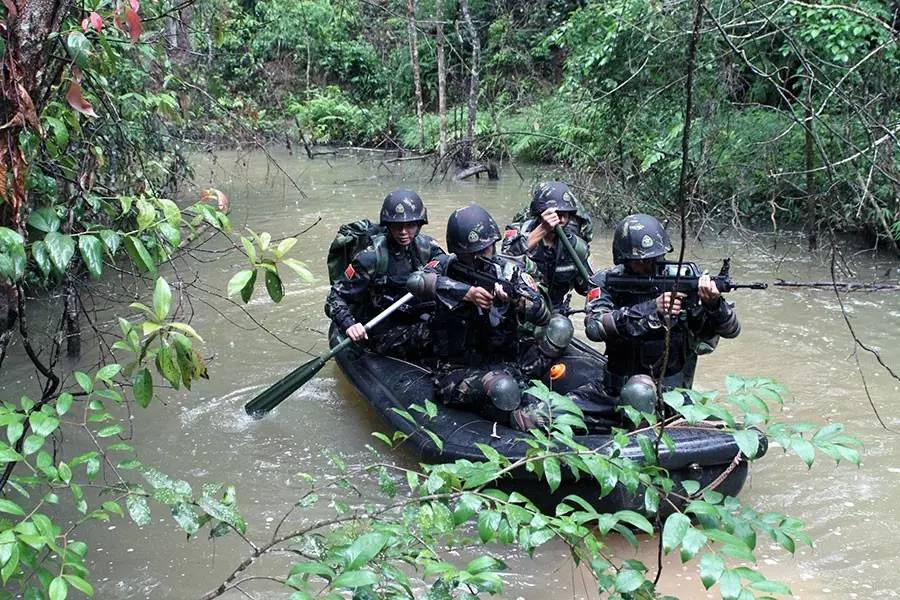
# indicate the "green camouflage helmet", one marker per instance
pixel 639 236
pixel 403 206
pixel 554 194
pixel 471 229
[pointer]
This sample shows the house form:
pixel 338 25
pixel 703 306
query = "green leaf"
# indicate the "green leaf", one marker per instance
pixel 274 286
pixel 80 50
pixel 42 424
pixel 730 585
pixel 32 444
pixel 10 507
pixel 239 280
pixel 42 257
pixel 249 249
pixel 171 212
pixel 628 581
pixel 146 214
pixel 674 530
pixel 139 256
pixel 61 248
pixel 143 387
pixel 748 441
pixel 804 450
pixel 167 364
pixel 58 589
pixel 138 509
pixel 711 567
pixel 111 240
pixel 364 549
pixel 284 246
pixel 171 234
pixel 186 518
pixel 355 579
pixel 84 381
pixel 691 544
pixel 111 430
pixel 91 249
pixel 300 269
pixel 12 254
pixel 108 372
pixel 771 587
pixel 64 403
pixel 162 299
pixel 80 584
pixel 44 219
pixel 552 472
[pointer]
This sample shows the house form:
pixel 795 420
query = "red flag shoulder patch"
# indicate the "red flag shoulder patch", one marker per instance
pixel 511 233
pixel 432 264
pixel 593 294
pixel 350 272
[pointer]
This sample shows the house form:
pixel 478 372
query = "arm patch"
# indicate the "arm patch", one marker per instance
pixel 350 272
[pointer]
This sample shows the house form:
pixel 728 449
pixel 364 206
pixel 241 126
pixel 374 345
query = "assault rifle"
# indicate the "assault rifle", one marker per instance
pixel 484 277
pixel 667 278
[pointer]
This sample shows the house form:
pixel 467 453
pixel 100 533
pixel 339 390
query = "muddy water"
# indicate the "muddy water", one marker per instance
pixel 795 336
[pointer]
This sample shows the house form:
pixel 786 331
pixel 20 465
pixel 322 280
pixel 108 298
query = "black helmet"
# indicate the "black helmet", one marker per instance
pixel 554 194
pixel 638 237
pixel 471 229
pixel 403 206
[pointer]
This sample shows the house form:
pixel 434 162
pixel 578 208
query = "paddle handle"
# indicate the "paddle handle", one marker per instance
pixel 582 270
pixel 375 321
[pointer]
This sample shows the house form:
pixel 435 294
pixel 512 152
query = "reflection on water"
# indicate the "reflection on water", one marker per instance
pixel 794 335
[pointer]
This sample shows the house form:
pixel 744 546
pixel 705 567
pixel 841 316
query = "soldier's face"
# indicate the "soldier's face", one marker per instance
pixel 564 218
pixel 641 267
pixel 403 233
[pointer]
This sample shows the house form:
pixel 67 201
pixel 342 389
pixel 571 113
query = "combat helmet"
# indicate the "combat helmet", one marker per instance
pixel 639 236
pixel 471 229
pixel 403 206
pixel 554 194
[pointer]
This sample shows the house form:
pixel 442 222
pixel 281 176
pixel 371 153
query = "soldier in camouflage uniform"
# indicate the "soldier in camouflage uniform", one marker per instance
pixel 553 204
pixel 633 326
pixel 484 360
pixel 376 277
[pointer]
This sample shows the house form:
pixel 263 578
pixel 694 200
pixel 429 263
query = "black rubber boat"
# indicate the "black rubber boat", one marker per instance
pixel 702 453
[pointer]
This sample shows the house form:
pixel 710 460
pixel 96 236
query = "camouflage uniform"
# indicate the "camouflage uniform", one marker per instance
pixel 361 293
pixel 633 330
pixel 558 271
pixel 474 345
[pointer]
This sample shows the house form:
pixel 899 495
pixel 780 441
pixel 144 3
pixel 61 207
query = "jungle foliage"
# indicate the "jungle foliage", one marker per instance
pixel 796 103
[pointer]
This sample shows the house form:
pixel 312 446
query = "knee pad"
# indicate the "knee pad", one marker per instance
pixel 557 335
pixel 503 390
pixel 639 392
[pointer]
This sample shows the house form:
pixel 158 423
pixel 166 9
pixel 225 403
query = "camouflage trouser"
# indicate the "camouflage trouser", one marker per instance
pixel 463 386
pixel 403 341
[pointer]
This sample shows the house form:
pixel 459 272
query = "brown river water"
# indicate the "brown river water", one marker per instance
pixel 796 336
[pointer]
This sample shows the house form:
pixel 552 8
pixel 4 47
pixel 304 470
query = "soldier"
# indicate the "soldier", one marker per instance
pixel 376 277
pixel 633 326
pixel 484 362
pixel 553 204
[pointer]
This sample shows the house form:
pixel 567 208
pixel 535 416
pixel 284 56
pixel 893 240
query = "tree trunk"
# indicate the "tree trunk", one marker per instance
pixel 442 79
pixel 70 319
pixel 811 224
pixel 468 152
pixel 417 72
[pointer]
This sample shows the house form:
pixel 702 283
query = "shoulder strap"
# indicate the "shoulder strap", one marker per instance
pixel 379 242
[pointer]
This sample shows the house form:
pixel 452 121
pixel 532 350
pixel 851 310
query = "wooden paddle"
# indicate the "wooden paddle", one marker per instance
pixel 276 394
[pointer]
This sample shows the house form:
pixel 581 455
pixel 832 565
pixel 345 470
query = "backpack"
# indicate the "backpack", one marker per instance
pixel 353 238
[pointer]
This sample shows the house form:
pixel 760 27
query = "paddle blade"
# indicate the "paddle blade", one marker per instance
pixel 275 395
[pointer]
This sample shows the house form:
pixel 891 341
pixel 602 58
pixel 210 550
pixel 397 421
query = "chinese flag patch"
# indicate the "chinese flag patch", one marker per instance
pixel 593 294
pixel 350 272
pixel 511 233
pixel 432 264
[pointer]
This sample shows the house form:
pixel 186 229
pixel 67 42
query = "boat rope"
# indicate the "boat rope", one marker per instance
pixel 724 475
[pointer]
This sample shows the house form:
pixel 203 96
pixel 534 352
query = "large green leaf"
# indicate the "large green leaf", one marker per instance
pixel 355 579
pixel 138 509
pixel 748 441
pixel 139 255
pixel 112 240
pixel 146 214
pixel 41 257
pixel 12 254
pixel 673 531
pixel 239 280
pixel 274 286
pixel 61 248
pixel 143 387
pixel 552 472
pixel 711 567
pixel 44 219
pixel 91 249
pixel 58 589
pixel 79 48
pixel 364 549
pixel 162 299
